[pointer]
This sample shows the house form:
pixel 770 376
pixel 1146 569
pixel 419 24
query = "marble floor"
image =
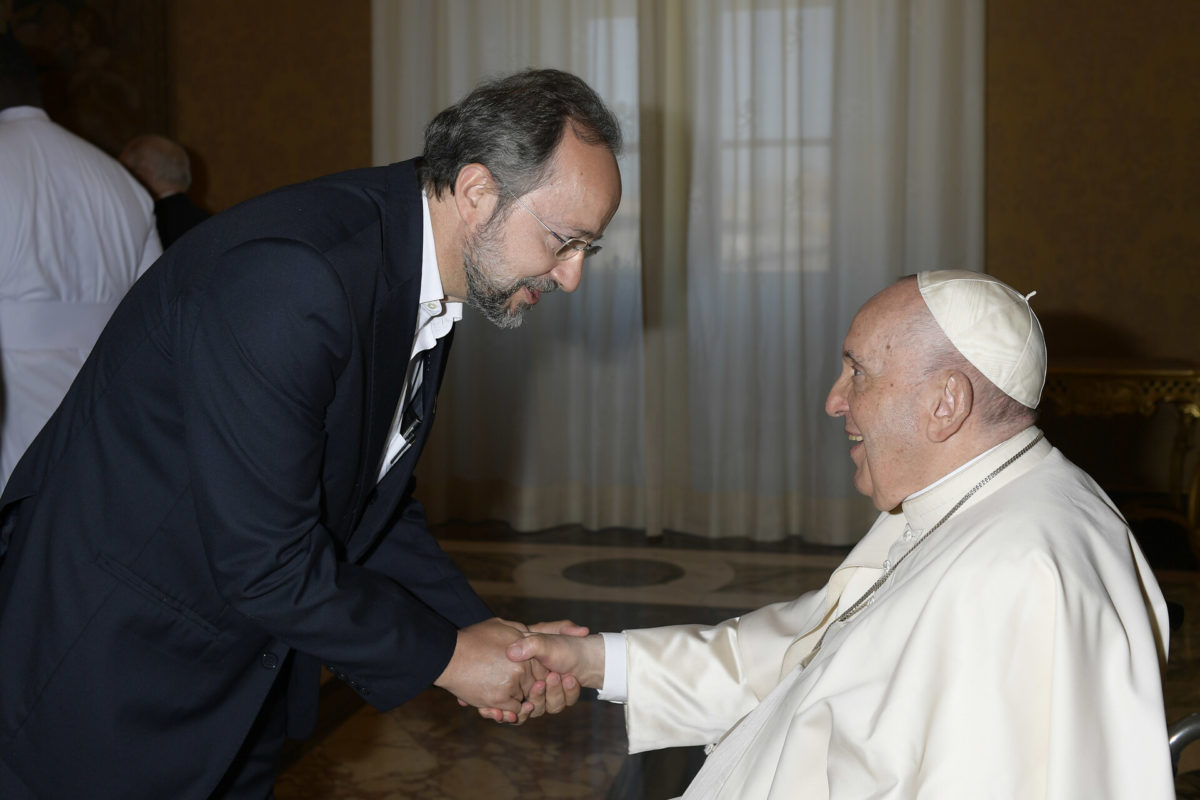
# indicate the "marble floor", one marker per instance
pixel 434 750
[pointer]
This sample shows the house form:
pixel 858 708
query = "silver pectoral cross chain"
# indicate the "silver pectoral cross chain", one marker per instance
pixel 889 568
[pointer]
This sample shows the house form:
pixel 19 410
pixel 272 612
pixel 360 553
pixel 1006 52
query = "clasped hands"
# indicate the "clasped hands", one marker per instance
pixel 488 671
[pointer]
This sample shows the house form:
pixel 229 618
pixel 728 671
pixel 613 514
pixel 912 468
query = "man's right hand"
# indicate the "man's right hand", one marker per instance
pixel 580 656
pixel 480 675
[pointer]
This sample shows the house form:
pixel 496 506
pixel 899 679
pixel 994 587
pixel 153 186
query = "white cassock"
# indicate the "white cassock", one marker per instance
pixel 1016 653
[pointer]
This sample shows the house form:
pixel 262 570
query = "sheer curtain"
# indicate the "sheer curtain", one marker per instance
pixel 785 160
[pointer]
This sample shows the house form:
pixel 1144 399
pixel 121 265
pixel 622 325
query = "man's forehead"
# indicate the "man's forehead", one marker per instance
pixel 878 330
pixel 574 158
pixel 858 333
pixel 867 325
pixel 585 188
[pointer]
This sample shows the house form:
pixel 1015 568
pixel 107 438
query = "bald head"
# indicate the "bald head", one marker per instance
pixel 159 163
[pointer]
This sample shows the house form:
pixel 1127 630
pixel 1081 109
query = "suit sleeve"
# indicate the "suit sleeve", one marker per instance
pixel 410 555
pixel 269 339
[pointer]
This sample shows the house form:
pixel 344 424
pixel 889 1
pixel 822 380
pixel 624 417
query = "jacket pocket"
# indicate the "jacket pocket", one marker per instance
pixel 164 621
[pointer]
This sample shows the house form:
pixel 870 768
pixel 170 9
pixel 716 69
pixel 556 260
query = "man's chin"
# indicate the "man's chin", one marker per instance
pixel 511 317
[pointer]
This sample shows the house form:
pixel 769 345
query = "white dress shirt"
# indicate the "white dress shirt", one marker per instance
pixel 435 318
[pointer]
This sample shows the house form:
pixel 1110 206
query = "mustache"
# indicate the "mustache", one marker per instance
pixel 541 285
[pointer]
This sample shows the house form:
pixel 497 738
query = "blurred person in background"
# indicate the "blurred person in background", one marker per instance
pixel 164 168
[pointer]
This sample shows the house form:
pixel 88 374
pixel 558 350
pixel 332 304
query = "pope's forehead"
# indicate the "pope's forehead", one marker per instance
pixel 884 319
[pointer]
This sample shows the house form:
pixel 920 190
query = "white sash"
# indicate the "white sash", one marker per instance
pixel 729 753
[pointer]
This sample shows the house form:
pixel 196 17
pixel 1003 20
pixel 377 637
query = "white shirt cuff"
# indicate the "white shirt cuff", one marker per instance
pixel 616 682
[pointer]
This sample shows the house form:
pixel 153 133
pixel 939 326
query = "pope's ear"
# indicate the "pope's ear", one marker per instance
pixel 951 405
pixel 475 194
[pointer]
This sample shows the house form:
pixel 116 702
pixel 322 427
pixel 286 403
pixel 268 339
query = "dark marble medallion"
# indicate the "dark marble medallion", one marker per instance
pixel 624 572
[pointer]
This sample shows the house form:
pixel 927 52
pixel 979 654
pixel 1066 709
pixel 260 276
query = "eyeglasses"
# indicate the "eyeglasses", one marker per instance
pixel 569 247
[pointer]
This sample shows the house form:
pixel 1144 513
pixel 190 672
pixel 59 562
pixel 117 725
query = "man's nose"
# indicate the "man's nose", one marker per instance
pixel 835 402
pixel 569 272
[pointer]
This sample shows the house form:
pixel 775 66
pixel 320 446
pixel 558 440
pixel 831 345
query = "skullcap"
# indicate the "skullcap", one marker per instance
pixel 993 327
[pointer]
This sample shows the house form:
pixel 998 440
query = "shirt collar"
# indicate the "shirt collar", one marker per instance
pixel 433 296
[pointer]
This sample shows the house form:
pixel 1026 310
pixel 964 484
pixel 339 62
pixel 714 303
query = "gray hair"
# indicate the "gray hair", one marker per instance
pixel 512 126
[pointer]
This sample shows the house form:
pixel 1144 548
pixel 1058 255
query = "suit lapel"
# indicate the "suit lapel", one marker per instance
pixel 388 331
pixel 384 380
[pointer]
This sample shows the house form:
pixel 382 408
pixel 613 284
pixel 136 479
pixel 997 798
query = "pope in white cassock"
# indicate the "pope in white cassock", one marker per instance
pixel 996 633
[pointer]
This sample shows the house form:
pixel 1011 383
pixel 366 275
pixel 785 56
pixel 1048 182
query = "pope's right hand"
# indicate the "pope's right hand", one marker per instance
pixel 581 656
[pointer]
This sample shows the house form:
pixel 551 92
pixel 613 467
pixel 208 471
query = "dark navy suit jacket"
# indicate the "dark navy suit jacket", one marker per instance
pixel 204 501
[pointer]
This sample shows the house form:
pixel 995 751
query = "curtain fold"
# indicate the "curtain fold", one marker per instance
pixel 785 160
pixel 664 113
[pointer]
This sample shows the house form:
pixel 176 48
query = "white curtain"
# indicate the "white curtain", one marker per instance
pixel 785 160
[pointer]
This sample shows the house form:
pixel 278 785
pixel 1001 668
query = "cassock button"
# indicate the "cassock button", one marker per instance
pixel 269 660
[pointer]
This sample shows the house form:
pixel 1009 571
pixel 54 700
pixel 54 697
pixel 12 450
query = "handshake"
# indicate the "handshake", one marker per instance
pixel 511 672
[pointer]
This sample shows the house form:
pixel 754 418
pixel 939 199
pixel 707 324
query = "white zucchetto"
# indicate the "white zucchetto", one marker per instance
pixel 993 326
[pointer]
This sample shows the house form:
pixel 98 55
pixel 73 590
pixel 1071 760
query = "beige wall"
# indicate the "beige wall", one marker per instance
pixel 269 92
pixel 1093 170
pixel 1093 197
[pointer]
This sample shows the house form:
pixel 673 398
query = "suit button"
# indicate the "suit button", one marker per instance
pixel 269 660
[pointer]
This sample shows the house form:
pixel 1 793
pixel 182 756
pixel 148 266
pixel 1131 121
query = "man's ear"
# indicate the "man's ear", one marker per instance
pixel 475 192
pixel 951 406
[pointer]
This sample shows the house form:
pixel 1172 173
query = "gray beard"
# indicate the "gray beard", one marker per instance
pixel 487 295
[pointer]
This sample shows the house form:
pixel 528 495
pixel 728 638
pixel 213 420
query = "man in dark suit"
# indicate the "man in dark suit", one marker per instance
pixel 223 501
pixel 164 168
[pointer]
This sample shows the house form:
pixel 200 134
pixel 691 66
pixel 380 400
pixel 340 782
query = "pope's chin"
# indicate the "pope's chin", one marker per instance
pixel 862 477
pixel 866 486
pixel 862 483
